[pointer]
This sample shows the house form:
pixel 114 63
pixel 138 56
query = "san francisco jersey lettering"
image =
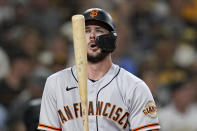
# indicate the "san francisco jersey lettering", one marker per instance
pixel 117 102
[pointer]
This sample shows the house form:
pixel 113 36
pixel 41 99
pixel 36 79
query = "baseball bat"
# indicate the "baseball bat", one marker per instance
pixel 80 49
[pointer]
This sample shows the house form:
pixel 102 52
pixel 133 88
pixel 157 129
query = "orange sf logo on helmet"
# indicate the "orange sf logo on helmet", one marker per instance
pixel 93 13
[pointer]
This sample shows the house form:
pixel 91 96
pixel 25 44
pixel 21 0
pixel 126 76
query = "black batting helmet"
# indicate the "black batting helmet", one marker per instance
pixel 106 42
pixel 97 14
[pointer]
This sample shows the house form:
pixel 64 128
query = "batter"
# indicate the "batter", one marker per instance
pixel 117 100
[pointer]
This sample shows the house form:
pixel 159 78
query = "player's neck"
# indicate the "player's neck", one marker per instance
pixel 97 70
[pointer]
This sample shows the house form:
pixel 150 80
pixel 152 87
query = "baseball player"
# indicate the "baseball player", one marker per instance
pixel 117 100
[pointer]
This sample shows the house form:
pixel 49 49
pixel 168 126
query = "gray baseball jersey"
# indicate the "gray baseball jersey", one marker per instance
pixel 117 102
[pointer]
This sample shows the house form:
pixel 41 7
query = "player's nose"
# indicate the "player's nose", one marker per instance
pixel 92 35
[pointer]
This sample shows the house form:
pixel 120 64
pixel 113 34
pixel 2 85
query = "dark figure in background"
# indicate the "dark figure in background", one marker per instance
pixel 31 115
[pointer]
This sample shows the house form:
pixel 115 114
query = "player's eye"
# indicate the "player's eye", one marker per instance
pixel 99 31
pixel 87 31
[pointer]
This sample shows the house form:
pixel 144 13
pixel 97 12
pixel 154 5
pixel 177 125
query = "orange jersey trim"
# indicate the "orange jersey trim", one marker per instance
pixel 145 126
pixel 49 127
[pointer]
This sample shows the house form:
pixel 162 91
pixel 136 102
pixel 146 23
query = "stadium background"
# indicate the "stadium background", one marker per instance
pixel 157 41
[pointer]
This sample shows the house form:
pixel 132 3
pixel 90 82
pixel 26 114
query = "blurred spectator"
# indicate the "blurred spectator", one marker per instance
pixel 32 42
pixel 123 10
pixel 181 113
pixel 4 63
pixel 3 117
pixel 85 4
pixel 184 55
pixel 140 22
pixel 189 11
pixel 14 28
pixel 60 49
pixel 6 11
pixel 193 71
pixel 23 105
pixel 15 125
pixel 121 55
pixel 13 83
pixel 31 115
pixel 56 56
pixel 164 52
pixel 33 90
pixel 66 7
pixel 44 17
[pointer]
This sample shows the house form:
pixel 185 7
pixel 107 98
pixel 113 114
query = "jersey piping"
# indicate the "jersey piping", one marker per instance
pixel 49 127
pixel 99 92
pixel 145 126
pixel 73 75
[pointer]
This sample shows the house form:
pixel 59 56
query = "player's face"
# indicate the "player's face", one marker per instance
pixel 95 54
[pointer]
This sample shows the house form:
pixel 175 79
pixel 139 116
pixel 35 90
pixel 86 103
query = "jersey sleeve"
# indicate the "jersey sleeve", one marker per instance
pixel 48 113
pixel 142 108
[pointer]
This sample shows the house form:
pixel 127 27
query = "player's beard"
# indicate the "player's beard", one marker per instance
pixel 99 57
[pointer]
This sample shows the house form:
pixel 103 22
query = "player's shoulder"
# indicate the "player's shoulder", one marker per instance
pixel 129 77
pixel 130 82
pixel 62 74
pixel 56 80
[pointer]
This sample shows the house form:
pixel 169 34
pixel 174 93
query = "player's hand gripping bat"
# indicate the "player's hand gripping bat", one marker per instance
pixel 80 49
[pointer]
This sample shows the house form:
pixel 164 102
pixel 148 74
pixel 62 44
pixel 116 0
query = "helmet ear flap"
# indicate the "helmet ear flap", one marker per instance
pixel 107 42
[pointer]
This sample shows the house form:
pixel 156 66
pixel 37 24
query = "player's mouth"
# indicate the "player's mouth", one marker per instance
pixel 93 46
